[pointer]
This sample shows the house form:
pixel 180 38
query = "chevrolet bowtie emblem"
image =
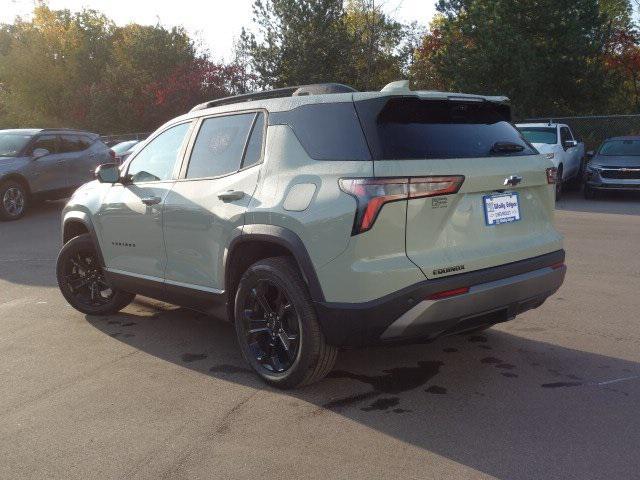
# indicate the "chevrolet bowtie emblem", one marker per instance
pixel 513 180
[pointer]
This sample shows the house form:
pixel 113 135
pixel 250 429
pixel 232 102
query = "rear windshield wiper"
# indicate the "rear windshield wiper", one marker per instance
pixel 506 147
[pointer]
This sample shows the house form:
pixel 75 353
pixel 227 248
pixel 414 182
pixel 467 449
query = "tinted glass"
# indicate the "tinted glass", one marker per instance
pixel 83 142
pixel 565 134
pixel 540 135
pixel 254 148
pixel 410 128
pixel 157 159
pixel 327 131
pixel 50 142
pixel 73 143
pixel 219 145
pixel 620 147
pixel 12 143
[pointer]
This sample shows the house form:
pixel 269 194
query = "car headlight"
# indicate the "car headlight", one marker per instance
pixel 550 156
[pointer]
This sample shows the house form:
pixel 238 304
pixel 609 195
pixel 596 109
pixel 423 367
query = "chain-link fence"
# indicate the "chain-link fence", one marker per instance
pixel 593 130
pixel 111 140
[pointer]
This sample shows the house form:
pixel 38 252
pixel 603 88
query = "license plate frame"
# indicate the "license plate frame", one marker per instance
pixel 513 214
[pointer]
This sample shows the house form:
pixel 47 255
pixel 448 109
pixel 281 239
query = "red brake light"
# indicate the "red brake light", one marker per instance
pixel 448 293
pixel 372 193
pixel 552 175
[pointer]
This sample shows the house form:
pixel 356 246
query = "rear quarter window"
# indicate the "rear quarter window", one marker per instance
pixel 327 131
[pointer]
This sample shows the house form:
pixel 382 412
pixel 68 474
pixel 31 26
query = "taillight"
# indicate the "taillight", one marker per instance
pixel 372 194
pixel 552 175
pixel 112 154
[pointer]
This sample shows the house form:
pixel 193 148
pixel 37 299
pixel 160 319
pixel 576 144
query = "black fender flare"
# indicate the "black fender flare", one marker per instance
pixel 285 238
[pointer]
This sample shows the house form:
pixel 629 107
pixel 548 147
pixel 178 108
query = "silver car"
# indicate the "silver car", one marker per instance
pixel 615 166
pixel 45 164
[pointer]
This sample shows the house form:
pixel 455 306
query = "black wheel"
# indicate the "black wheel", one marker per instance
pixel 559 184
pixel 82 282
pixel 277 327
pixel 13 200
pixel 589 193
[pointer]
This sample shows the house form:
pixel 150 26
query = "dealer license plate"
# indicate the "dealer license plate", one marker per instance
pixel 501 208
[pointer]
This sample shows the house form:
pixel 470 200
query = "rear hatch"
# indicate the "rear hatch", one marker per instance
pixel 502 210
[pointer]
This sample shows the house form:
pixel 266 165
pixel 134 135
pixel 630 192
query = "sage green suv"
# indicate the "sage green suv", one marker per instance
pixel 318 217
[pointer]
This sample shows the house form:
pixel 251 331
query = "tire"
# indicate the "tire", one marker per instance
pixel 14 200
pixel 81 279
pixel 559 184
pixel 289 311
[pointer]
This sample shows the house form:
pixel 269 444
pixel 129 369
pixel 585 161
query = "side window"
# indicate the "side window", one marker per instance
pixel 82 142
pixel 69 143
pixel 156 160
pixel 46 141
pixel 219 145
pixel 565 134
pixel 253 152
pixel 327 131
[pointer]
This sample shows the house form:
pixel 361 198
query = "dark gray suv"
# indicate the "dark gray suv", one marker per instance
pixel 45 164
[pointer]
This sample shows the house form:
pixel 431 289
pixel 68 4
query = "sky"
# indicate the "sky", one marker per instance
pixel 216 29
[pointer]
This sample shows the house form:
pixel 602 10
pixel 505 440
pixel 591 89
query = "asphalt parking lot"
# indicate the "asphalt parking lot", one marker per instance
pixel 162 392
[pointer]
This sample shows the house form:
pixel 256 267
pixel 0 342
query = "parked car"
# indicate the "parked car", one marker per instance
pixel 615 166
pixel 319 217
pixel 560 145
pixel 122 150
pixel 44 164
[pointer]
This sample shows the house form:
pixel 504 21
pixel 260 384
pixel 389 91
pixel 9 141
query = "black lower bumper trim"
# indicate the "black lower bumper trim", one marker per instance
pixel 358 324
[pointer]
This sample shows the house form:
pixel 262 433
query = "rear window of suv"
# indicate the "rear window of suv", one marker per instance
pixel 411 128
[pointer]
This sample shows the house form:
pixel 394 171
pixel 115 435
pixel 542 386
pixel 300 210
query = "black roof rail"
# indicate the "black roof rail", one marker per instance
pixel 314 89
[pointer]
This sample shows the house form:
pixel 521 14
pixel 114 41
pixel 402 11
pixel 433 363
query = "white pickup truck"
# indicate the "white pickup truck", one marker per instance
pixel 557 142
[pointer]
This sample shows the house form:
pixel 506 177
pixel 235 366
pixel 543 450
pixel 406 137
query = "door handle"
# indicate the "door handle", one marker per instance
pixel 231 195
pixel 151 200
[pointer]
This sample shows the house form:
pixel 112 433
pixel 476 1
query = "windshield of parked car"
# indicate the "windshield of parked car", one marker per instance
pixel 12 143
pixel 548 135
pixel 123 147
pixel 620 148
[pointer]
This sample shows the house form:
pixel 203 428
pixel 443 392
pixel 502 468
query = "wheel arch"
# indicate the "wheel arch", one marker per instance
pixel 76 223
pixel 16 177
pixel 263 241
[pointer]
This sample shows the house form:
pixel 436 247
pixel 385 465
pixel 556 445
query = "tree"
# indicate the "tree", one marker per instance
pixel 547 55
pixel 297 41
pixel 309 41
pixel 375 42
pixel 81 70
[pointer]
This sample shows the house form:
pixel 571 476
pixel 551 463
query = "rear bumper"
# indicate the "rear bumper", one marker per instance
pixel 495 295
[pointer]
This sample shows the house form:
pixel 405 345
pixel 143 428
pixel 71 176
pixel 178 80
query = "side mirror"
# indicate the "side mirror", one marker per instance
pixel 589 154
pixel 108 173
pixel 40 152
pixel 570 143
